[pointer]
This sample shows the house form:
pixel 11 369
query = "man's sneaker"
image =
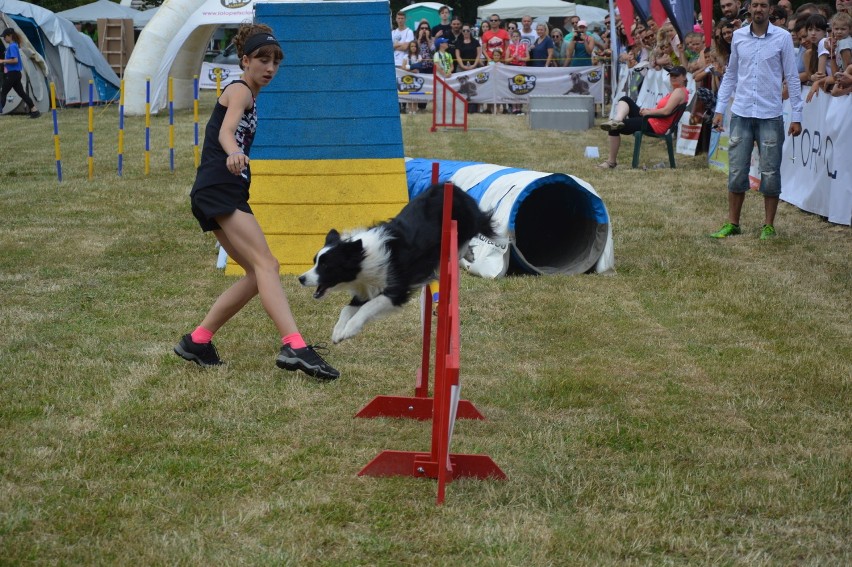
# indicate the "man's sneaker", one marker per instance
pixel 307 360
pixel 728 229
pixel 35 114
pixel 767 232
pixel 202 354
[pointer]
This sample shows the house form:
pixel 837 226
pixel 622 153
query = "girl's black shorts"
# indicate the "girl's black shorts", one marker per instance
pixel 218 200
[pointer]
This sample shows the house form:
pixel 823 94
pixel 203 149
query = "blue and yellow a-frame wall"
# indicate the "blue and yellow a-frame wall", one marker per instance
pixel 328 151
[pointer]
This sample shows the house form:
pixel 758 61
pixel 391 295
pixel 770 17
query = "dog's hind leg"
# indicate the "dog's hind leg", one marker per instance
pixel 345 315
pixel 376 308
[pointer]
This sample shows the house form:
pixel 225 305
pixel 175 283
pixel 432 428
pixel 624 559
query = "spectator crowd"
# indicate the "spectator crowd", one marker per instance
pixel 821 34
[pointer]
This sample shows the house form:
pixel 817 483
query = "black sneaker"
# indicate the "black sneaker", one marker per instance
pixel 202 354
pixel 307 360
pixel 35 114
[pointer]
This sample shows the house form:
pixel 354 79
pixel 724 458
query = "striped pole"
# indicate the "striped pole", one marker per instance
pixel 195 119
pixel 121 128
pixel 171 126
pixel 147 125
pixel 91 159
pixel 55 132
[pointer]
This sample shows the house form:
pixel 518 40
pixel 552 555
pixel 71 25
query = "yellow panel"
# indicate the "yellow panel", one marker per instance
pixel 322 189
pixel 344 167
pixel 315 219
pixel 296 202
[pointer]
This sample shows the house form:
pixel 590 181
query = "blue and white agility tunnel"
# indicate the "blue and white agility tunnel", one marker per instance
pixel 552 223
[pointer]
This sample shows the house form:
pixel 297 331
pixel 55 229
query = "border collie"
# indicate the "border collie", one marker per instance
pixel 382 266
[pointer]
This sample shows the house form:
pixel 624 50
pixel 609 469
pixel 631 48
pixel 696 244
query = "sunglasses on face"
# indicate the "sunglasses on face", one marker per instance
pixel 465 31
pixel 493 20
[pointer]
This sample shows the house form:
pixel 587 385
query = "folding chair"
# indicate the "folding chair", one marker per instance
pixel 668 135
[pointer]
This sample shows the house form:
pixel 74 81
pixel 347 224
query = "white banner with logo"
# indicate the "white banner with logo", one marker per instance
pixel 207 77
pixel 816 169
pixel 506 83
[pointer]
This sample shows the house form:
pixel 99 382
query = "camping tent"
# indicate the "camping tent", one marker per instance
pixel 516 9
pixel 71 56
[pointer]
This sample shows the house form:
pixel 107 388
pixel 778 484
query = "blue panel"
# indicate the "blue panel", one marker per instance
pixel 376 151
pixel 335 106
pixel 329 138
pixel 335 96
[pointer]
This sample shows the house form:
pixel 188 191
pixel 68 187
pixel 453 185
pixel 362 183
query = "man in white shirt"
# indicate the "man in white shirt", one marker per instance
pixel 528 35
pixel 401 36
pixel 762 57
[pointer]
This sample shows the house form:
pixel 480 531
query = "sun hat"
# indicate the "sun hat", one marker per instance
pixel 582 24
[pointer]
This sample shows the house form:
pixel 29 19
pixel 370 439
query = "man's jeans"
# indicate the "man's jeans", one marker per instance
pixel 769 135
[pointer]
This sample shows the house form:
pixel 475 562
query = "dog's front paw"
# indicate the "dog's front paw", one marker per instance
pixel 338 335
pixel 352 328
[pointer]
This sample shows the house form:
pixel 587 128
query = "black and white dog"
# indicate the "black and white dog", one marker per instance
pixel 382 266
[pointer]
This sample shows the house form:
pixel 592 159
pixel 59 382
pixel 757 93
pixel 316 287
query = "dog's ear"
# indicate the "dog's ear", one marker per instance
pixel 333 237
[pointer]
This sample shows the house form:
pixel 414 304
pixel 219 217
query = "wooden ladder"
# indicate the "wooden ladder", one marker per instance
pixel 112 44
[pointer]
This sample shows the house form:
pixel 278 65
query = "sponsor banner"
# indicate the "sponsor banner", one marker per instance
pixel 224 12
pixel 687 140
pixel 207 77
pixel 506 83
pixel 816 172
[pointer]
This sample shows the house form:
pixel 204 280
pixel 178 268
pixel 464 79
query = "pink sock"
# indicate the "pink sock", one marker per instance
pixel 201 335
pixel 295 340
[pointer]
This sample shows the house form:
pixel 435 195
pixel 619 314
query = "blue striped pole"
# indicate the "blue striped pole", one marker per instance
pixel 195 119
pixel 147 125
pixel 121 128
pixel 55 132
pixel 171 126
pixel 91 158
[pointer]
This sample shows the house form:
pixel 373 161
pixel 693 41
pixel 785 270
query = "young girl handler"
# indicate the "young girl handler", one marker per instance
pixel 220 203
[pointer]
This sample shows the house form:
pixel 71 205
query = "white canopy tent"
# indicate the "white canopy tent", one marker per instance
pixel 104 9
pixel 516 9
pixel 97 10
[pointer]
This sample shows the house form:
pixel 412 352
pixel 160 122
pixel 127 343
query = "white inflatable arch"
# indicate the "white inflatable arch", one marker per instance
pixel 173 44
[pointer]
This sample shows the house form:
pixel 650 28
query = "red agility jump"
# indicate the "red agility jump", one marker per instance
pixel 421 405
pixel 439 462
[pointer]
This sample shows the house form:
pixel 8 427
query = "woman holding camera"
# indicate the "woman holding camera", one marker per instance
pixel 426 45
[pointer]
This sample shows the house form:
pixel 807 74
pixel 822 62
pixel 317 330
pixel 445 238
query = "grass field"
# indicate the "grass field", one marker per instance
pixel 694 408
